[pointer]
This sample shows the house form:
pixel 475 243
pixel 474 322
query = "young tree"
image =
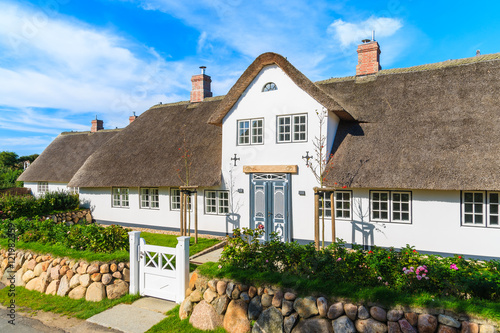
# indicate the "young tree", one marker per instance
pixel 8 159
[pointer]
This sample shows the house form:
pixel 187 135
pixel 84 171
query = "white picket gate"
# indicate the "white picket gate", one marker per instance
pixel 159 271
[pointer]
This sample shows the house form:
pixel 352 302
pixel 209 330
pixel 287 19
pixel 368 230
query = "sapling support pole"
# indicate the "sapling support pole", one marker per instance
pixel 332 203
pixel 182 213
pixel 196 216
pixel 192 190
pixel 316 219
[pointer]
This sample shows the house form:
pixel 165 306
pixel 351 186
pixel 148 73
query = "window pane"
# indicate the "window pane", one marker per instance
pixel 493 209
pixel 468 197
pixel 396 197
pixel 478 219
pixel 478 197
pixel 383 196
pixel 376 196
pixel 384 215
pixel 405 217
pixel 405 197
pixel 468 208
pixel 494 220
pixel 468 218
pixel 478 208
pixel 494 198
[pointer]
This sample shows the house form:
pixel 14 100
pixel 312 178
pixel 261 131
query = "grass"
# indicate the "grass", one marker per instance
pixel 63 251
pixel 173 324
pixel 171 241
pixel 310 286
pixel 80 309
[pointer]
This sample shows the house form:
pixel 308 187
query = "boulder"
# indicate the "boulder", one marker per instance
pixel 185 309
pixel 96 292
pixel 221 287
pixel 290 296
pixel 196 296
pixel 85 280
pixel 322 305
pixel 30 265
pixel 19 277
pixel 277 299
pixel 209 295
pixel 255 308
pixel 52 287
pixel 378 313
pixel 412 318
pixel 244 296
pixel 229 289
pixel 204 317
pixel 394 315
pixel 351 311
pixel 286 308
pixel 336 310
pixel 373 326
pixel 38 269
pixel 96 277
pixel 360 325
pixel 406 327
pixel 270 321
pixel 236 318
pixel 75 281
pixel 63 270
pixel 426 323
pixel 220 304
pixel 289 322
pixel 117 275
pixel 320 325
pixel 236 293
pixel 363 312
pixel 212 285
pixel 343 325
pixel 446 329
pixel 121 266
pixel 28 276
pixel 252 291
pixel 201 283
pixel 468 327
pixel 393 327
pixel 77 293
pixel 487 329
pixel 448 321
pixel 243 287
pixel 306 307
pixel 266 300
pixel 106 278
pixel 63 286
pixel 192 280
pixel 104 269
pixel 94 268
pixel 113 268
pixel 117 289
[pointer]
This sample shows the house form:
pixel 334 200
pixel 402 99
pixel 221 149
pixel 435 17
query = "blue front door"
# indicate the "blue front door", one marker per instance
pixel 270 204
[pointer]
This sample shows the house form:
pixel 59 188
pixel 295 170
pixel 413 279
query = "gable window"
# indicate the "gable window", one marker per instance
pixel 150 198
pixel 390 206
pixel 481 208
pixel 217 202
pixel 270 86
pixel 342 201
pixel 175 199
pixel 292 128
pixel 120 197
pixel 43 187
pixel 251 131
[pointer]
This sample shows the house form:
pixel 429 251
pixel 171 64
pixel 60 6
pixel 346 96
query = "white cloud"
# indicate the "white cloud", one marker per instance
pixel 348 33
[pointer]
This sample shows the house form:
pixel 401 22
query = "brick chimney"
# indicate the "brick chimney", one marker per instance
pixel 201 86
pixel 97 125
pixel 368 58
pixel 132 118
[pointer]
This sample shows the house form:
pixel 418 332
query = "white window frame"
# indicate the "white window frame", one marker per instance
pixel 73 190
pixel 270 86
pixel 342 203
pixel 120 197
pixel 175 199
pixel 292 132
pixel 401 204
pixel 43 187
pixel 221 200
pixel 390 209
pixel 251 138
pixel 149 198
pixel 486 209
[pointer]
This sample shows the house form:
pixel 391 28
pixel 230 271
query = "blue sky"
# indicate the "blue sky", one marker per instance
pixel 62 62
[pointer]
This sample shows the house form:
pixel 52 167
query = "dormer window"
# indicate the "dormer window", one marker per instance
pixel 269 87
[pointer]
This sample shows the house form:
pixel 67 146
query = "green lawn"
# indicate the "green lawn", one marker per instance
pixel 64 305
pixel 171 241
pixel 173 324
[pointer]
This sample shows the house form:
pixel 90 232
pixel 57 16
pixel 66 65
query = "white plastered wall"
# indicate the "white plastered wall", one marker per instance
pixel 52 187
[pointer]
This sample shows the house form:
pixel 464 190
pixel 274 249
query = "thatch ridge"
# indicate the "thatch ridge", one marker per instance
pixel 146 153
pixel 434 129
pixel 65 155
pixel 297 77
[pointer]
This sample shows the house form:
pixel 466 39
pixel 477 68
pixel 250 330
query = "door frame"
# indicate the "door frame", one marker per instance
pixel 287 237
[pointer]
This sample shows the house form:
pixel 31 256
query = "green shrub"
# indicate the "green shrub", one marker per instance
pixel 29 206
pixel 400 270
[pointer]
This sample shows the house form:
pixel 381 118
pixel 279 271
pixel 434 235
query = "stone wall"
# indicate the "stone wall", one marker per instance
pixel 76 279
pixel 79 216
pixel 234 306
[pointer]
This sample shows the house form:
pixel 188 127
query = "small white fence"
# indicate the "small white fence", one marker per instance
pixel 159 271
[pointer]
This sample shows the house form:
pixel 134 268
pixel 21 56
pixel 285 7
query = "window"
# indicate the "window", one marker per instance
pixel 150 198
pixel 342 205
pixel 270 86
pixel 390 206
pixel 292 128
pixel 251 131
pixel 120 197
pixel 73 190
pixel 175 199
pixel 43 187
pixel 481 208
pixel 217 202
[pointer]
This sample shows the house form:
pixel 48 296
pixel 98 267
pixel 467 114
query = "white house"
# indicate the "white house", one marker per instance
pixel 414 156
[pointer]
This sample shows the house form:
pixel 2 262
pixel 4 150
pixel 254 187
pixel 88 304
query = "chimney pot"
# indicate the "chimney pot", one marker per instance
pixel 200 86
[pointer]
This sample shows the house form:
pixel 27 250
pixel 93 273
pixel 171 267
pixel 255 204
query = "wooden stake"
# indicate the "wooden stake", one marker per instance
pixel 316 219
pixel 196 216
pixel 182 213
pixel 333 216
pixel 189 212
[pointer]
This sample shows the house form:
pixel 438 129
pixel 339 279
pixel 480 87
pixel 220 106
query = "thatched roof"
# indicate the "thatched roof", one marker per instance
pixel 295 75
pixel 147 152
pixel 65 155
pixel 433 126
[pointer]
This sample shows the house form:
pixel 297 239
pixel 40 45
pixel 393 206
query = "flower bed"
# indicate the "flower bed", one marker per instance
pixel 402 270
